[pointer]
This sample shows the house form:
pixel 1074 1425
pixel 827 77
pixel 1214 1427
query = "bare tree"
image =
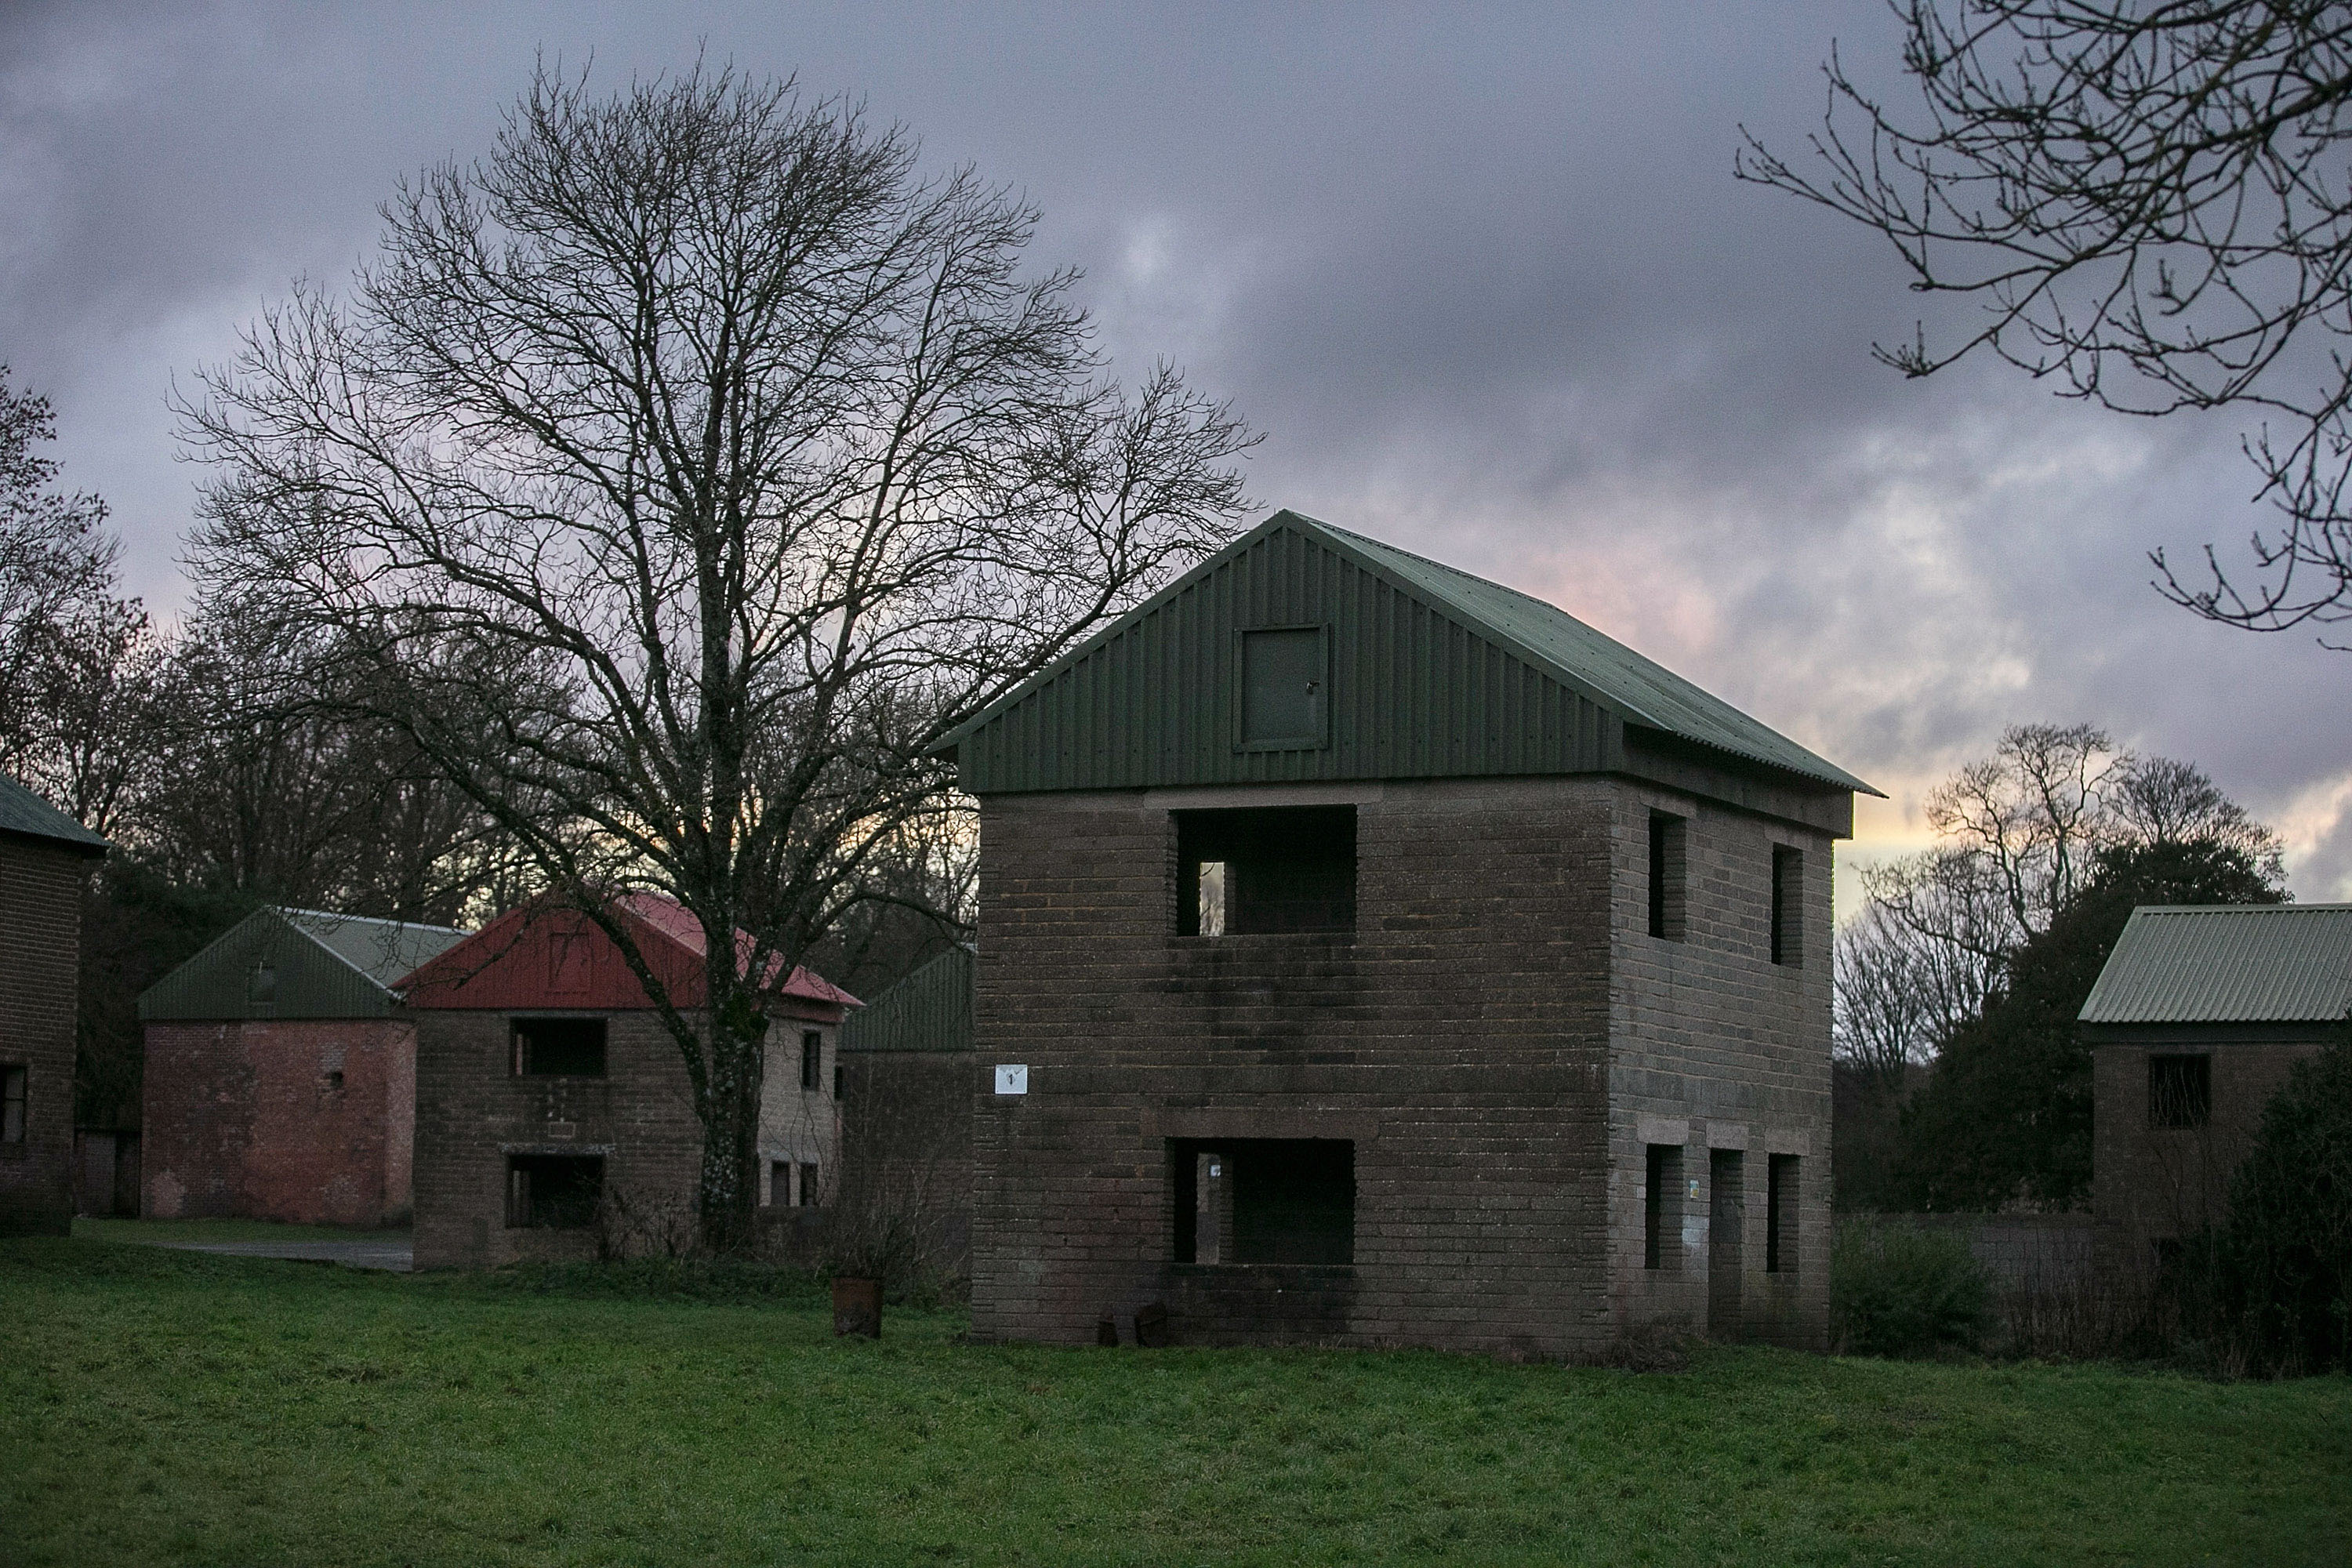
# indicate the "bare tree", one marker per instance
pixel 676 478
pixel 2153 204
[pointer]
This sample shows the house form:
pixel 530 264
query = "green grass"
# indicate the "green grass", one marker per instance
pixel 178 1407
pixel 207 1230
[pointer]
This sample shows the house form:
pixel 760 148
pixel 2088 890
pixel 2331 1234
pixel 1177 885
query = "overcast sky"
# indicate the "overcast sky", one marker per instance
pixel 1486 282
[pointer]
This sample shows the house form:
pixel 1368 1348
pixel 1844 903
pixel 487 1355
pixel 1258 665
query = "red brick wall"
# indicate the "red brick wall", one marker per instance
pixel 244 1120
pixel 40 934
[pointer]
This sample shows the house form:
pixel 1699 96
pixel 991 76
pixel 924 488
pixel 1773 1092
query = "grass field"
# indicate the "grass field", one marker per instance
pixel 178 1407
pixel 211 1230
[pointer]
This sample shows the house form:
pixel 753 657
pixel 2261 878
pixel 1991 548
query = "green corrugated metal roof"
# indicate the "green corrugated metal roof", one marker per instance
pixel 27 816
pixel 929 1010
pixel 2227 963
pixel 1434 673
pixel 321 965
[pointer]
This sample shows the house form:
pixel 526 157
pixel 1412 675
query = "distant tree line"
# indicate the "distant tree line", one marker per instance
pixel 1962 1083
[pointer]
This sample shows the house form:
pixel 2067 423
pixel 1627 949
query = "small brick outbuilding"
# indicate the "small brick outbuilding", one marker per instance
pixel 2198 1016
pixel 554 1113
pixel 45 860
pixel 1372 954
pixel 280 1078
pixel 907 1076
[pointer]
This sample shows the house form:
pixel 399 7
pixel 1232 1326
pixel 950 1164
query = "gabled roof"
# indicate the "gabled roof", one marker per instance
pixel 1434 673
pixel 321 965
pixel 2227 963
pixel 24 815
pixel 929 1010
pixel 516 960
pixel 1643 691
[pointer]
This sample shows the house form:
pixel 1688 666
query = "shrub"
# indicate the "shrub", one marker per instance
pixel 1896 1291
pixel 2285 1253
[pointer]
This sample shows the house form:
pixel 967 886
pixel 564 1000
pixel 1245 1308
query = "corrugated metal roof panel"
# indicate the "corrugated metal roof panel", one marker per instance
pixel 1434 674
pixel 929 1010
pixel 27 816
pixel 321 966
pixel 2227 963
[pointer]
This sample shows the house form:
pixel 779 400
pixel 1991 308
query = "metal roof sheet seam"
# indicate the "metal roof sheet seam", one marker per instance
pixel 2236 964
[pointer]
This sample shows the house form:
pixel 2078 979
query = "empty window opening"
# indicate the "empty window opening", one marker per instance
pixel 559 1047
pixel 1285 678
pixel 1727 1228
pixel 1667 837
pixel 811 1060
pixel 1275 1200
pixel 779 1184
pixel 553 1191
pixel 811 1189
pixel 13 1084
pixel 1273 869
pixel 1662 1182
pixel 334 1083
pixel 1781 1214
pixel 2180 1092
pixel 1788 905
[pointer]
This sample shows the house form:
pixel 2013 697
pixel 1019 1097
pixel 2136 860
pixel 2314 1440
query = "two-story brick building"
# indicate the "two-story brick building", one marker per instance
pixel 1372 955
pixel 46 859
pixel 551 1099
pixel 280 1078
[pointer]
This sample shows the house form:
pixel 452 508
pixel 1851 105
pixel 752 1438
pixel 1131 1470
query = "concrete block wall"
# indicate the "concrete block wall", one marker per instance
pixel 2157 1184
pixel 40 932
pixel 797 1125
pixel 1458 1037
pixel 1714 1047
pixel 308 1121
pixel 472 1112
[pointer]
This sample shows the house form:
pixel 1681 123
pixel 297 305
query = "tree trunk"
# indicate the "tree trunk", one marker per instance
pixel 729 1196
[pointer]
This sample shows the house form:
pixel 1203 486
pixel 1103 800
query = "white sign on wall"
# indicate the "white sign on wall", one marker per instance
pixel 1012 1079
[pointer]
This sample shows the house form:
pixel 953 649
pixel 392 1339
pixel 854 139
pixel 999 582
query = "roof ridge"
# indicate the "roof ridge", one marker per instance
pixel 363 920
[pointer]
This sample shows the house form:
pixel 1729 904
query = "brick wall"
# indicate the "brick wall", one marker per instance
pixel 1458 1038
pixel 40 932
pixel 907 1135
pixel 303 1120
pixel 472 1112
pixel 2153 1183
pixel 798 1126
pixel 1717 1048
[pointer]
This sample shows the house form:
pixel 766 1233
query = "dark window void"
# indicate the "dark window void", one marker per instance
pixel 811 1060
pixel 780 1183
pixel 2180 1092
pixel 13 1084
pixel 811 1188
pixel 559 1047
pixel 1788 905
pixel 554 1192
pixel 1667 837
pixel 1284 687
pixel 1275 868
pixel 1275 1200
pixel 1781 1214
pixel 1662 1199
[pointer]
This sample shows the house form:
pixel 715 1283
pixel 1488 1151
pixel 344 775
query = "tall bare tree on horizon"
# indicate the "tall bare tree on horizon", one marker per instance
pixel 674 480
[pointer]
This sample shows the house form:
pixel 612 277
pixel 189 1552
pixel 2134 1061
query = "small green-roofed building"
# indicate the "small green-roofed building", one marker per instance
pixel 908 1075
pixel 280 1076
pixel 2197 1018
pixel 1370 954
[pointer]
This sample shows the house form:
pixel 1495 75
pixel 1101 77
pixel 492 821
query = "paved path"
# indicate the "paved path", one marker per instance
pixel 396 1254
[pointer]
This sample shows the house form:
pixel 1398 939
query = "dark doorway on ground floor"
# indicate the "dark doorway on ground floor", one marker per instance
pixel 1263 1200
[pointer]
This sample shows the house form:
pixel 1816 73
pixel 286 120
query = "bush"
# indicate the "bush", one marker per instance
pixel 2285 1253
pixel 1895 1290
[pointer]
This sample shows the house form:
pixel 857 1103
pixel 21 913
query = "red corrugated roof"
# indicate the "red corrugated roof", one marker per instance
pixel 546 955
